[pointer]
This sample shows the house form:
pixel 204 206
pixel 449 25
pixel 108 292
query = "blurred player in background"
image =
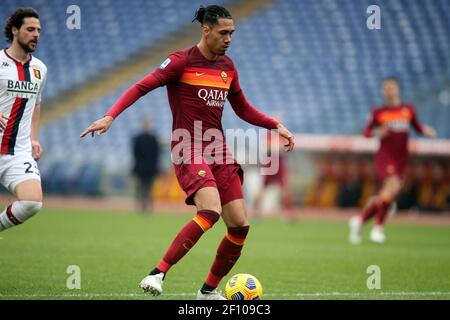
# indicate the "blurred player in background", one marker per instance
pixel 146 152
pixel 199 80
pixel 22 78
pixel 279 180
pixel 392 123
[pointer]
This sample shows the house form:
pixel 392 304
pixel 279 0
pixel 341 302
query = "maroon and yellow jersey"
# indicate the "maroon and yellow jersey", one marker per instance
pixel 197 90
pixel 392 155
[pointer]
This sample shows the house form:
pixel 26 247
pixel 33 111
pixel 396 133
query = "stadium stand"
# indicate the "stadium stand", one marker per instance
pixel 111 31
pixel 313 62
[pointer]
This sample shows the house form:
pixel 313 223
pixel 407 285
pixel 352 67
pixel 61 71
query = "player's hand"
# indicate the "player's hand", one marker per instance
pixel 429 132
pixel 100 126
pixel 37 150
pixel 3 121
pixel 285 133
pixel 383 132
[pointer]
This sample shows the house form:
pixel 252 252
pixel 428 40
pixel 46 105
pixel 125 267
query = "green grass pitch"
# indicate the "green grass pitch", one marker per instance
pixel 308 259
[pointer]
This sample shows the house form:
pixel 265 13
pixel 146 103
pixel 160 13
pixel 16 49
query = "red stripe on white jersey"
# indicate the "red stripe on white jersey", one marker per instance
pixel 4 149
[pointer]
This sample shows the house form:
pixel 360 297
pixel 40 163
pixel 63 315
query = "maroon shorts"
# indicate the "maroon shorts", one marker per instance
pixel 386 169
pixel 227 178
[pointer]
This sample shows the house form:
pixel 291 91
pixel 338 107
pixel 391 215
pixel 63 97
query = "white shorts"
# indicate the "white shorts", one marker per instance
pixel 17 168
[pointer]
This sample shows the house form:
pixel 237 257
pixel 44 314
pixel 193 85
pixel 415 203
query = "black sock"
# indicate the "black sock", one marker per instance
pixel 156 271
pixel 206 288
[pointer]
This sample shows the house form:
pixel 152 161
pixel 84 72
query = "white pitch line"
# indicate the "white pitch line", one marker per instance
pixel 185 294
pixel 87 295
pixel 358 294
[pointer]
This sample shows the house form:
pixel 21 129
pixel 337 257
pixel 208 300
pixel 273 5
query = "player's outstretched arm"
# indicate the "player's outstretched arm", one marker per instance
pixel 285 133
pixel 99 126
pixel 127 99
pixel 429 132
pixel 369 131
pixel 250 114
pixel 170 70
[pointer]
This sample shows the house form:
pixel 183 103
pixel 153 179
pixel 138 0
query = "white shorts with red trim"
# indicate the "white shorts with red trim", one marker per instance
pixel 17 168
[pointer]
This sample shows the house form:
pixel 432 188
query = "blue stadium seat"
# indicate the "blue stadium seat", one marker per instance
pixel 315 63
pixel 111 31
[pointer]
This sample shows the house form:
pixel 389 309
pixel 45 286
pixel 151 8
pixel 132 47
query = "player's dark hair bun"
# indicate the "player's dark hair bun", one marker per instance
pixel 211 14
pixel 200 14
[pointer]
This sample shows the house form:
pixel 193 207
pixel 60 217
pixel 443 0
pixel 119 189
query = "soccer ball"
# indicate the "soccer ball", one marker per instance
pixel 243 286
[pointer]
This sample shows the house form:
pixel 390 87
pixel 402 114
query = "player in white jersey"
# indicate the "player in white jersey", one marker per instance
pixel 22 78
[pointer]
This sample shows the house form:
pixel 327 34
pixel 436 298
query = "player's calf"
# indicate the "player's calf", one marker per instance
pixel 391 189
pixel 228 253
pixel 183 242
pixel 188 237
pixel 18 212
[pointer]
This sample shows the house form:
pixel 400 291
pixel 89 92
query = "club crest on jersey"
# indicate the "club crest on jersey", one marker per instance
pixel 37 74
pixel 165 63
pixel 202 173
pixel 224 76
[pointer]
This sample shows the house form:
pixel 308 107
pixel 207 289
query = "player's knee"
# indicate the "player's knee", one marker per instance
pixel 206 218
pixel 391 194
pixel 236 221
pixel 387 196
pixel 208 199
pixel 397 188
pixel 393 184
pixel 238 235
pixel 394 195
pixel 211 204
pixel 29 208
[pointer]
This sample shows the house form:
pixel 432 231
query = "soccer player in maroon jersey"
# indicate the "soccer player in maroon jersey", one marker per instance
pixel 279 179
pixel 391 124
pixel 199 79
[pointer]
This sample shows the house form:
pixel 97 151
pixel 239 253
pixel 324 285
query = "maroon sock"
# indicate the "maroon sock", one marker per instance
pixel 228 253
pixel 187 237
pixel 383 207
pixel 370 210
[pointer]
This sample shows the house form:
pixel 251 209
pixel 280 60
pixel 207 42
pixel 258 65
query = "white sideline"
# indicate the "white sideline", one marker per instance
pixel 185 294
